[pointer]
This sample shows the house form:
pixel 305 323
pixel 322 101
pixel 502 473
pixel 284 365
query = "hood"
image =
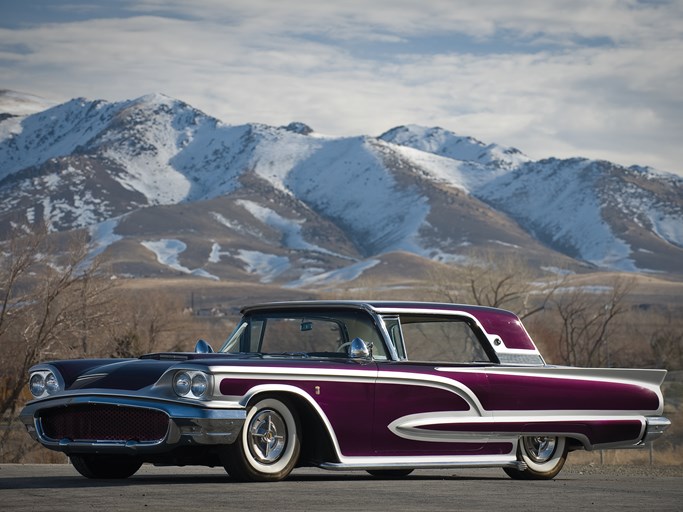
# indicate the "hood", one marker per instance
pixel 126 374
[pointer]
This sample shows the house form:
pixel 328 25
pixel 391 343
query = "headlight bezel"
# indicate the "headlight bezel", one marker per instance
pixel 45 382
pixel 193 384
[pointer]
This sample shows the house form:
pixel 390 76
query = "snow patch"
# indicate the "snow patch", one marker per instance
pixel 668 227
pixel 268 266
pixel 102 236
pixel 226 222
pixel 290 229
pixel 168 252
pixel 341 275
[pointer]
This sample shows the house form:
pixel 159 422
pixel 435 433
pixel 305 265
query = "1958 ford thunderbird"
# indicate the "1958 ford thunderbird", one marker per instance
pixel 384 387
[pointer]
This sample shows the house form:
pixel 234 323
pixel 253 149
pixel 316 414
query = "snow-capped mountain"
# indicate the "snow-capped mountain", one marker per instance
pixel 614 217
pixel 166 188
pixel 444 143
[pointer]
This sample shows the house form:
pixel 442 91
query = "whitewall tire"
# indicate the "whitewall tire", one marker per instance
pixel 269 444
pixel 544 457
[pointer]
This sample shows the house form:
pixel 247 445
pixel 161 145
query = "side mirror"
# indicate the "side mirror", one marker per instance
pixel 203 347
pixel 359 349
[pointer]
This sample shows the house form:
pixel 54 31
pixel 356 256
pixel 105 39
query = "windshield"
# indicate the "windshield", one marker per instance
pixel 315 334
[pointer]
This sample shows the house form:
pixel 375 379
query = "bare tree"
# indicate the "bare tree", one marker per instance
pixel 50 296
pixel 587 316
pixel 147 323
pixel 503 282
pixel 667 344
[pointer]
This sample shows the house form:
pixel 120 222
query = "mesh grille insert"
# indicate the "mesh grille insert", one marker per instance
pixel 98 422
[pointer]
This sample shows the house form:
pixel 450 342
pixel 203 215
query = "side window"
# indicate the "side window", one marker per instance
pixel 394 329
pixel 441 339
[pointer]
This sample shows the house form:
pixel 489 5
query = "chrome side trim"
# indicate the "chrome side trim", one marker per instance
pixel 340 466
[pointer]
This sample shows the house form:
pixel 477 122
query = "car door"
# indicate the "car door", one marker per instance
pixel 306 353
pixel 427 403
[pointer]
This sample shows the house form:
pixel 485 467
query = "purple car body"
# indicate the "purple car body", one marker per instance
pixel 385 387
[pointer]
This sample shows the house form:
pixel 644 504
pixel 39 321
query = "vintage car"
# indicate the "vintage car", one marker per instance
pixel 384 387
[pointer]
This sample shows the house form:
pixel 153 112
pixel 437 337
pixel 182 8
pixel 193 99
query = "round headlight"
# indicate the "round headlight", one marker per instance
pixel 182 384
pixel 199 384
pixel 51 383
pixel 37 384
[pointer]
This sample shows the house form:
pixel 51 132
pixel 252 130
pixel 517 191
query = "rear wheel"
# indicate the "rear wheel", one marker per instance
pixel 269 444
pixel 544 457
pixel 105 466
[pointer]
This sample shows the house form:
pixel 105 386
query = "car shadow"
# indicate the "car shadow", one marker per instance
pixel 77 481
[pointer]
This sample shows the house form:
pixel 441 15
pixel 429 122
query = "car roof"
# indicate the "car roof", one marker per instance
pixel 377 306
pixel 494 321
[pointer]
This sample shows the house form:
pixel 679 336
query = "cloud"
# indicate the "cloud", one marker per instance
pixel 597 79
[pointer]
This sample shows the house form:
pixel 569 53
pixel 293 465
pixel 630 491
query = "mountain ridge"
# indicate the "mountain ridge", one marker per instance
pixel 285 204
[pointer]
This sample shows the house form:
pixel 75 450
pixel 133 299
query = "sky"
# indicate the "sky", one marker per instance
pixel 591 78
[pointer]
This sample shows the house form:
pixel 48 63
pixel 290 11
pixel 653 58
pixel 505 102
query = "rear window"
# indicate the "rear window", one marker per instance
pixel 442 339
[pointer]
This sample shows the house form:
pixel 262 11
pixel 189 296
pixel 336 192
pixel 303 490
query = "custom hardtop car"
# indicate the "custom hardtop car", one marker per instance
pixel 385 387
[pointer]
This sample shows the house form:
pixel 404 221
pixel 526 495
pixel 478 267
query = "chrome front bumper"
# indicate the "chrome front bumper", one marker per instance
pixel 188 424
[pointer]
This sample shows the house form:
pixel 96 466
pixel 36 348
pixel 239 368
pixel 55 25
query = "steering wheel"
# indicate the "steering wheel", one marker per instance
pixel 343 347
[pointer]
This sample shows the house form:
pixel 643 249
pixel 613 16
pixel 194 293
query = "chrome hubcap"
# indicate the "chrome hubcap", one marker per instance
pixel 266 436
pixel 540 448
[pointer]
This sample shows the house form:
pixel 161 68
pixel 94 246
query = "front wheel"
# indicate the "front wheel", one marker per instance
pixel 544 457
pixel 268 446
pixel 105 466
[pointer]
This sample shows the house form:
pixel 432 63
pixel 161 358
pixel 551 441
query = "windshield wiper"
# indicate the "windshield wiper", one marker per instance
pixel 287 354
